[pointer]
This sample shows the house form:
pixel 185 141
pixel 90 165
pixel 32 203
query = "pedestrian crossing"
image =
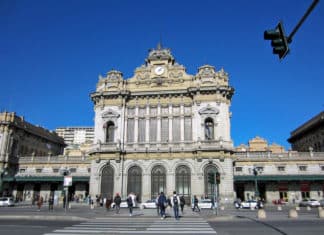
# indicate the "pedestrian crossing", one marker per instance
pixel 138 226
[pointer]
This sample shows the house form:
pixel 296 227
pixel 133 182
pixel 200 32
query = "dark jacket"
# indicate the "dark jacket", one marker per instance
pixel 117 200
pixel 162 200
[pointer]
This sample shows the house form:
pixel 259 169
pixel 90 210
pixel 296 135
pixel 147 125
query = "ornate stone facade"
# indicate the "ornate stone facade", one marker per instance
pixel 169 127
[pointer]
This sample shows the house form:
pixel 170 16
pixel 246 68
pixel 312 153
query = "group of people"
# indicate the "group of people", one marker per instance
pixel 162 202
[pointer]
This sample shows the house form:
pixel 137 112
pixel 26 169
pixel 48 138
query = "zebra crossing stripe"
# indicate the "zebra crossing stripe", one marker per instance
pixel 156 226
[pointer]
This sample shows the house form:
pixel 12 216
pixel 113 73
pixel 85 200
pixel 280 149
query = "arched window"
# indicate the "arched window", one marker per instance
pixel 134 182
pixel 158 180
pixel 183 182
pixel 110 132
pixel 209 188
pixel 209 129
pixel 107 182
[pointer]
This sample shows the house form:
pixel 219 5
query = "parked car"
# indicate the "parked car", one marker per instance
pixel 309 202
pixel 7 201
pixel 314 203
pixel 148 204
pixel 251 204
pixel 204 204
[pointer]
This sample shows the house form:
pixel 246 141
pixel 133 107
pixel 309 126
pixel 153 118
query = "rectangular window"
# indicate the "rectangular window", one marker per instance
pixel 22 170
pixel 165 110
pixel 176 135
pixel 302 168
pixel 73 170
pixel 281 168
pixel 322 168
pixel 142 112
pixel 187 128
pixel 153 129
pixel 130 130
pixel 141 129
pixel 131 111
pixel 238 169
pixel 176 110
pixel 89 169
pixel 38 170
pixel 164 129
pixel 153 111
pixel 187 110
pixel 55 170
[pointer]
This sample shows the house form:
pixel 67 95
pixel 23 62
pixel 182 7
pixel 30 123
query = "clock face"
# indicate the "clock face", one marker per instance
pixel 159 70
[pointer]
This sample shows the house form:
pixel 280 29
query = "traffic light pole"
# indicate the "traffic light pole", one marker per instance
pixel 289 39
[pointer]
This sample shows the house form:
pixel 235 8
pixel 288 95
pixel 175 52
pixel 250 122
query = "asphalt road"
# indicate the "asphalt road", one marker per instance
pixel 31 227
pixel 82 220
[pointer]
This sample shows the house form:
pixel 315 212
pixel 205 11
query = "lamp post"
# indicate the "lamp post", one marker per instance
pixel 255 173
pixel 1 180
pixel 67 181
pixel 3 171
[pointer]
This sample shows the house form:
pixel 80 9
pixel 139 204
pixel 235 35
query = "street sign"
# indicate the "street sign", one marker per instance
pixel 67 181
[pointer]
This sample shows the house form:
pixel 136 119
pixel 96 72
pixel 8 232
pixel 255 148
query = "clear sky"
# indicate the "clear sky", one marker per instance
pixel 52 51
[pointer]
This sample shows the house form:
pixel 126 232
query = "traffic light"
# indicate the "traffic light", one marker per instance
pixel 278 40
pixel 217 178
pixel 211 178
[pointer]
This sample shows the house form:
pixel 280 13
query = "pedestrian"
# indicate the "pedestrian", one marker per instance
pixel 117 201
pixel 130 204
pixel 182 203
pixel 50 203
pixel 195 201
pixel 64 201
pixel 157 204
pixel 175 201
pixel 162 204
pixel 39 202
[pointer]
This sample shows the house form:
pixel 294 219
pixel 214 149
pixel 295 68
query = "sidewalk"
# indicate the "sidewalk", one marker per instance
pixel 80 212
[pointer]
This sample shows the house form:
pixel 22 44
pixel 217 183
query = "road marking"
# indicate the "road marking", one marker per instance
pixel 136 226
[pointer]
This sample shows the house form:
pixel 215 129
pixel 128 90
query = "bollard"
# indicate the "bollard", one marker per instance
pixel 222 208
pixel 297 208
pixel 292 213
pixel 262 214
pixel 279 208
pixel 308 208
pixel 320 212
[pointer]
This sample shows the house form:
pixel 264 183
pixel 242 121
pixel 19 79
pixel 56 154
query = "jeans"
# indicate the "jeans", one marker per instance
pixel 130 209
pixel 162 211
pixel 176 211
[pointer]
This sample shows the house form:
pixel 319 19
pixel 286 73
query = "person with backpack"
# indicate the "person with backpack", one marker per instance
pixel 182 203
pixel 162 204
pixel 117 201
pixel 175 201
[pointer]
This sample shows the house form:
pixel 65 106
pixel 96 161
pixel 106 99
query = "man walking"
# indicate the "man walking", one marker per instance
pixel 195 201
pixel 175 201
pixel 117 201
pixel 162 204
pixel 130 204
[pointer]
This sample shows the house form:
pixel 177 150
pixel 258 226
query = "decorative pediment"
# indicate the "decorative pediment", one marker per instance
pixel 208 111
pixel 110 114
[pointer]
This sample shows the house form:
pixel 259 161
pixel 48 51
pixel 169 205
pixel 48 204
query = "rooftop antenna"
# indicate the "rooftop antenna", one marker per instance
pixel 159 45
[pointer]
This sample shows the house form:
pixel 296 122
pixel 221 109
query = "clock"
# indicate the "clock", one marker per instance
pixel 159 70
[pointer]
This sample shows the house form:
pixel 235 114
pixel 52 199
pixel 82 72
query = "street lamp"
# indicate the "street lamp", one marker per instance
pixel 67 181
pixel 3 171
pixel 255 173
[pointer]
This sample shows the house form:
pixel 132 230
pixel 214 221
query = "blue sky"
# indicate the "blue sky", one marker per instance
pixel 51 53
